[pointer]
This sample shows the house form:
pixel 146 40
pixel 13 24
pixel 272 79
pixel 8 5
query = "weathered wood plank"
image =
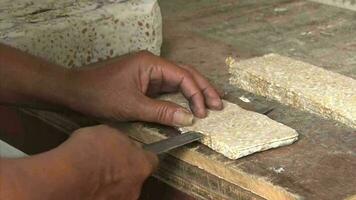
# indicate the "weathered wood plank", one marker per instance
pixel 321 164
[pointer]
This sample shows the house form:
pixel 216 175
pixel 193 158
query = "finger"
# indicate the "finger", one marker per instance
pixel 155 82
pixel 176 77
pixel 164 112
pixel 211 95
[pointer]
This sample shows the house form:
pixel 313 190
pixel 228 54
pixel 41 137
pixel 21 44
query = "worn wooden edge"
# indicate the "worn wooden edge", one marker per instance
pixel 197 183
pixel 257 185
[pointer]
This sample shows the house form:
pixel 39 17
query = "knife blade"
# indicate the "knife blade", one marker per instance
pixel 173 142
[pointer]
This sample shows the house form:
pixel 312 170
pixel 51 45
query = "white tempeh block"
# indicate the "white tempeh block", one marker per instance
pixel 298 84
pixel 236 132
pixel 74 33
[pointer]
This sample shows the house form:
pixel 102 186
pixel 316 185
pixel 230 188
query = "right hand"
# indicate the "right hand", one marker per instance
pixel 94 163
pixel 117 167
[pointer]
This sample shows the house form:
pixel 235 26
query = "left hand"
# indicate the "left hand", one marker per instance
pixel 122 88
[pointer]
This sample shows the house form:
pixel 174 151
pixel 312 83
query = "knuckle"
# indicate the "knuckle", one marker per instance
pixel 187 74
pixel 163 113
pixel 107 131
pixel 148 166
pixel 77 132
pixel 91 129
pixel 106 128
pixel 82 132
pixel 209 91
pixel 145 173
pixel 147 170
pixel 197 95
pixel 124 113
pixel 144 167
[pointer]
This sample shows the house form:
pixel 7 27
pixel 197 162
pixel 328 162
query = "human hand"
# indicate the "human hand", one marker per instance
pixel 122 88
pixel 94 163
pixel 114 166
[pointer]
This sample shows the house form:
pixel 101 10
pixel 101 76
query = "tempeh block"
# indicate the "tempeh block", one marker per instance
pixel 236 132
pixel 75 33
pixel 298 84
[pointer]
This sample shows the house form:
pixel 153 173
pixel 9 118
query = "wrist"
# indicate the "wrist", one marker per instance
pixel 25 78
pixel 50 175
pixel 12 179
pixel 54 86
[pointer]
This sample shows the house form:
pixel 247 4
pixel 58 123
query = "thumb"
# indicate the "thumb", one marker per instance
pixel 164 112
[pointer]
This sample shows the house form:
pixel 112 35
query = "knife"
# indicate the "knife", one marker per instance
pixel 173 142
pixel 156 147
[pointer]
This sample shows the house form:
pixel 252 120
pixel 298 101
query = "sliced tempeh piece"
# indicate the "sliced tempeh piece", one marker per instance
pixel 298 84
pixel 236 132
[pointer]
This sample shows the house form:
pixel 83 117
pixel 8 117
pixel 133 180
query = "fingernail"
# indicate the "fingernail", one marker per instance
pixel 182 117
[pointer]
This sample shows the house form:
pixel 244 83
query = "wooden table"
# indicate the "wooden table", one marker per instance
pixel 321 165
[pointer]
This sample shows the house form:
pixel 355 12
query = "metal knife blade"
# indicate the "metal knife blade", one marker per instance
pixel 173 142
